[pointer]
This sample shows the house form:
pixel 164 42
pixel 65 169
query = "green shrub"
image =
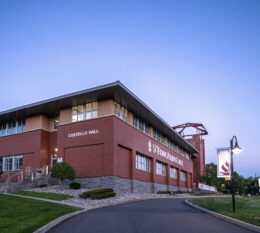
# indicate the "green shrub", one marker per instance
pixel 62 171
pixel 164 192
pixel 75 185
pixel 1 172
pixel 90 193
pixel 102 195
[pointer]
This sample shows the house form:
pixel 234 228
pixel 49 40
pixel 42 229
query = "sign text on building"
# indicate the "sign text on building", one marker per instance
pixel 83 133
pixel 157 150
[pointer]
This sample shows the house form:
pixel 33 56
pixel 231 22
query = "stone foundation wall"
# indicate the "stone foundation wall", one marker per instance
pixel 126 185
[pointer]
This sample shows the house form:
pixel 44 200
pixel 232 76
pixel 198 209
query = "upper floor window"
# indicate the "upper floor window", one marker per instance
pixel 157 136
pixel 160 168
pixel 142 162
pixel 171 145
pixel 12 127
pixel 121 112
pixel 56 121
pixel 91 110
pixel 11 163
pixel 141 125
pixel 84 112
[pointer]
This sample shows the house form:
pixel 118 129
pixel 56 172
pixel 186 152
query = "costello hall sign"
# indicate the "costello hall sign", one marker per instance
pixel 83 133
pixel 152 148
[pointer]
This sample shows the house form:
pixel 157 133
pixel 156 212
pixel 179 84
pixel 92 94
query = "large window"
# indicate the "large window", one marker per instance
pixel 141 125
pixel 12 127
pixel 173 172
pixel 142 162
pixel 160 168
pixel 11 163
pixel 84 112
pixel 91 110
pixel 121 112
pixel 183 176
pixel 157 136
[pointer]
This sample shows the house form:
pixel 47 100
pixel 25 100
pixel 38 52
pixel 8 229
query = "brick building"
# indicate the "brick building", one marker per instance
pixel 110 137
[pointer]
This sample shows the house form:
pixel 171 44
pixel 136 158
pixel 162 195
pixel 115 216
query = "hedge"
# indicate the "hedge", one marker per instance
pixel 75 185
pixel 102 195
pixel 98 193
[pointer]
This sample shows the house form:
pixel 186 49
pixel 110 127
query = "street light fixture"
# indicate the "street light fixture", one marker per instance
pixel 235 149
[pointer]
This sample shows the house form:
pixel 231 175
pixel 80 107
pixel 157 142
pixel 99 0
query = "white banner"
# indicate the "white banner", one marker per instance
pixel 224 162
pixel 207 187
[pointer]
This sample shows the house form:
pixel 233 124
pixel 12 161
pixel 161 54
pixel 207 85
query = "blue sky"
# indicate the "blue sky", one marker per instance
pixel 190 61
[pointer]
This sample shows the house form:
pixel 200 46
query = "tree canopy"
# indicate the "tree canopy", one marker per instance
pixel 242 185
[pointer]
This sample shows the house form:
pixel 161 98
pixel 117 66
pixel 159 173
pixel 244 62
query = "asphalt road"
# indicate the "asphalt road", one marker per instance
pixel 152 216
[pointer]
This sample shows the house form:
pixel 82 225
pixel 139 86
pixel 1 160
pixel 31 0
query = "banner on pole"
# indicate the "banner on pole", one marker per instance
pixel 224 163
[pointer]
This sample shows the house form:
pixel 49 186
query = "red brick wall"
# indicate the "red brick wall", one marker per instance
pixel 110 152
pixel 88 161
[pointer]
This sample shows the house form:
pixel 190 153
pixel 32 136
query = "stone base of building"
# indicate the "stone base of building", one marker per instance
pixel 126 185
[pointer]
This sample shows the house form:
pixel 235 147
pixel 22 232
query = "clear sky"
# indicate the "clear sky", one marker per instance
pixel 190 61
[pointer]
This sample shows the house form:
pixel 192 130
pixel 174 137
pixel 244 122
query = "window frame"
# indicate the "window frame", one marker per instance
pixel 142 162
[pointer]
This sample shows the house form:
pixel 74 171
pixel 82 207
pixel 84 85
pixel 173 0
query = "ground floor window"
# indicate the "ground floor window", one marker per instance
pixel 142 162
pixel 183 176
pixel 160 168
pixel 173 172
pixel 11 163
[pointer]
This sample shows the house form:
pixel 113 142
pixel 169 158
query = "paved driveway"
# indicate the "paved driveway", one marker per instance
pixel 152 216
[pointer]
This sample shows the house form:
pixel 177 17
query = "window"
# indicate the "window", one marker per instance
pixel 173 172
pixel 121 112
pixel 183 176
pixel 12 127
pixel 56 121
pixel 160 168
pixel 84 112
pixel 157 136
pixel 77 113
pixel 141 125
pixel 20 126
pixel 142 162
pixel 171 145
pixel 18 161
pixel 11 163
pixel 187 155
pixel 91 110
pixel 8 163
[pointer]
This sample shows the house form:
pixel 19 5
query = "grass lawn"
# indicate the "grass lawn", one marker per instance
pixel 247 208
pixel 52 196
pixel 22 215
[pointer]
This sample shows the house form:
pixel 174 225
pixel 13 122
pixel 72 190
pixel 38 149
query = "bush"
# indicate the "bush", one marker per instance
pixel 1 172
pixel 75 185
pixel 94 192
pixel 102 195
pixel 164 192
pixel 62 171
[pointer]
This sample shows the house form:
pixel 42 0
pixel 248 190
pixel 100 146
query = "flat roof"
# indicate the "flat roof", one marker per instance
pixel 116 91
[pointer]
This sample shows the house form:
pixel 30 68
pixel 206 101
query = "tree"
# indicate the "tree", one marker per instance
pixel 241 185
pixel 210 176
pixel 62 171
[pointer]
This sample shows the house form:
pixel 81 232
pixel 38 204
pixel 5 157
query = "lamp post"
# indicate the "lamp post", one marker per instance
pixel 234 149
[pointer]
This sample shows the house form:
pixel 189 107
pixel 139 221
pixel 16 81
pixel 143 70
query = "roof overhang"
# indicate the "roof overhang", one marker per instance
pixel 116 91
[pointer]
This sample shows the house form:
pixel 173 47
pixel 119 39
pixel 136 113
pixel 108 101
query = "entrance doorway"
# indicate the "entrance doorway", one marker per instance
pixel 53 159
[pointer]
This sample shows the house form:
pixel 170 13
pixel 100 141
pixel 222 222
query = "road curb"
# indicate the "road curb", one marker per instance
pixel 225 218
